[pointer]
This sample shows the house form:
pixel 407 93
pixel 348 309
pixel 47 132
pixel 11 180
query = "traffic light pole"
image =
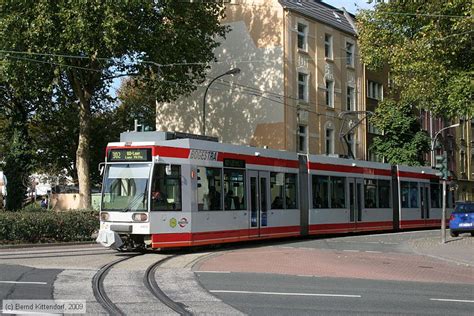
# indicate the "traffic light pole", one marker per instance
pixel 443 215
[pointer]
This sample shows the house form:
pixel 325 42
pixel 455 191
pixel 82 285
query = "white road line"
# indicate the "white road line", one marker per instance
pixel 52 250
pixel 19 282
pixel 371 251
pixel 289 294
pixel 450 300
pixel 351 250
pixel 211 271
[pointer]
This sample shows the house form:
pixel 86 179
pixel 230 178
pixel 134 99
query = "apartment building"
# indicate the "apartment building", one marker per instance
pixel 464 160
pixel 299 72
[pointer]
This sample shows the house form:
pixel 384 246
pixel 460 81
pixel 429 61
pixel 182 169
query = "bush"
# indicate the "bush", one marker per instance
pixel 47 226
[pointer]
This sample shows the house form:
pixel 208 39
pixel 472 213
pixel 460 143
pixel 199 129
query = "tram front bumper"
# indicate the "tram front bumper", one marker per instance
pixel 109 239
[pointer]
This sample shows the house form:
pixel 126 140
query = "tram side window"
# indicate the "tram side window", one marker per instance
pixel 435 195
pixel 414 194
pixel 405 188
pixel 338 192
pixel 370 193
pixel 291 196
pixel 234 188
pixel 277 182
pixel 209 189
pixel 384 193
pixel 166 188
pixel 409 194
pixel 320 191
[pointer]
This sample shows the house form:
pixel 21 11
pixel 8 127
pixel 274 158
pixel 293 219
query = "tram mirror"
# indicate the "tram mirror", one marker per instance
pixel 101 168
pixel 168 170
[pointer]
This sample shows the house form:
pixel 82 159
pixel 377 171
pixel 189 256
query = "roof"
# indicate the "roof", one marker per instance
pixel 322 12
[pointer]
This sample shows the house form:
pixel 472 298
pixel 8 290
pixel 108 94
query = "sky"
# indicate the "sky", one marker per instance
pixel 351 5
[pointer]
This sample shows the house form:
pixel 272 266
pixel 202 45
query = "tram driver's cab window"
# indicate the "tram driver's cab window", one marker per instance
pixel 166 188
pixel 234 189
pixel 209 189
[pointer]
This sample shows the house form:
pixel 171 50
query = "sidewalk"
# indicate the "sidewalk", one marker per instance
pixel 458 250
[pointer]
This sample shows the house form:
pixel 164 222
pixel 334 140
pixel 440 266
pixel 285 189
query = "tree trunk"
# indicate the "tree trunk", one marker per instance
pixel 83 154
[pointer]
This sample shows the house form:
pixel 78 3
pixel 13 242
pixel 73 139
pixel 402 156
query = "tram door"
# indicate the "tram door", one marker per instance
pixel 355 200
pixel 258 184
pixel 425 201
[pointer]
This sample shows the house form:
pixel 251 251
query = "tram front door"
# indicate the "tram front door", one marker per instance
pixel 258 184
pixel 355 201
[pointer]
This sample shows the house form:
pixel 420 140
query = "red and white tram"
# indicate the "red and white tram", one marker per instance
pixel 161 191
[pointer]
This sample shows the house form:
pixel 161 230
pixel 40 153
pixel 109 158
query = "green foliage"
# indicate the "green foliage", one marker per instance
pixel 47 226
pixel 402 142
pixel 428 47
pixel 81 46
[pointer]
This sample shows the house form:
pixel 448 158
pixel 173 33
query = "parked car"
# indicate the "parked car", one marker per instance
pixel 462 219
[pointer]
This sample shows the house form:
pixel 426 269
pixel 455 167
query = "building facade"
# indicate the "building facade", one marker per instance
pixel 300 73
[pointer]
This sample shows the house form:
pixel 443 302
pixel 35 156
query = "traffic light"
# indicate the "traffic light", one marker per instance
pixel 442 166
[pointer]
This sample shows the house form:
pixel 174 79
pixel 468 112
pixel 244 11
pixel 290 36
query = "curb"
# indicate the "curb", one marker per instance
pixel 72 243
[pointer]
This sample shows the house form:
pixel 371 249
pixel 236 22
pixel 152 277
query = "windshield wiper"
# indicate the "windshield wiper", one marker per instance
pixel 132 203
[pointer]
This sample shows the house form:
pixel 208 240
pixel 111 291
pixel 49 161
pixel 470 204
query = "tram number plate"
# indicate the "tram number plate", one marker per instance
pixel 123 155
pixel 465 224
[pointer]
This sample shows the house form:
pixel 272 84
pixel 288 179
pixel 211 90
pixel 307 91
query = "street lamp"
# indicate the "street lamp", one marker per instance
pixel 443 212
pixel 433 141
pixel 233 71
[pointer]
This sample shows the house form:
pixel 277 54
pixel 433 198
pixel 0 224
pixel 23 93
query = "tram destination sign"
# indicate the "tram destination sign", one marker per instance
pixel 127 155
pixel 234 163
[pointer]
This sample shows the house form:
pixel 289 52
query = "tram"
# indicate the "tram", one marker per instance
pixel 169 190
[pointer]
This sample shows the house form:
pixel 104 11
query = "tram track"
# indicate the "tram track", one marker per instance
pixel 150 282
pixel 98 287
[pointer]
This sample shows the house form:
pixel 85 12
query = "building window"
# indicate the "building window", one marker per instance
pixel 328 46
pixel 374 90
pixel 330 93
pixel 329 141
pixel 349 54
pixel 302 36
pixel 302 138
pixel 463 161
pixel 350 99
pixel 302 87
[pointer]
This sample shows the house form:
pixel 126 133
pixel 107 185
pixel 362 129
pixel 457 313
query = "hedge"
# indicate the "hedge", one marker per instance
pixel 34 226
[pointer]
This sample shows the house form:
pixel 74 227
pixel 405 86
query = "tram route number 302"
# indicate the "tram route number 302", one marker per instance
pixel 122 155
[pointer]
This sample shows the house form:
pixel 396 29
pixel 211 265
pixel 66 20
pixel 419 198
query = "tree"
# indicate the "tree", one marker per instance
pixel 90 42
pixel 403 142
pixel 428 48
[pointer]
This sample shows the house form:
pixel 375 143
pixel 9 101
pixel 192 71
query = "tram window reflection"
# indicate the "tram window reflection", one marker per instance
pixel 277 182
pixel 166 189
pixel 209 189
pixel 338 192
pixel 370 193
pixel 435 195
pixel 409 194
pixel 234 189
pixel 384 193
pixel 320 187
pixel 291 196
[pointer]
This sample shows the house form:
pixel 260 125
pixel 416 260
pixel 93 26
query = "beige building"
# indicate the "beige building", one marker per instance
pixel 299 70
pixel 464 160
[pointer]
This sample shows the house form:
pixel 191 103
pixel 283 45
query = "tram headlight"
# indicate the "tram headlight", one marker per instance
pixel 104 216
pixel 140 217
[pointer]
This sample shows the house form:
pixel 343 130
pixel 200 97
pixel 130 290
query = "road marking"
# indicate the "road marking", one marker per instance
pixel 211 271
pixel 289 294
pixel 450 300
pixel 52 250
pixel 19 282
pixel 351 250
pixel 371 251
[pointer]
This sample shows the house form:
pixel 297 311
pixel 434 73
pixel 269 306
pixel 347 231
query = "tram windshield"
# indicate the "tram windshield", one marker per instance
pixel 126 187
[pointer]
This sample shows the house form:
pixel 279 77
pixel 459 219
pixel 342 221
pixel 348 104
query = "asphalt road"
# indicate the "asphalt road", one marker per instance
pixel 270 294
pixel 346 285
